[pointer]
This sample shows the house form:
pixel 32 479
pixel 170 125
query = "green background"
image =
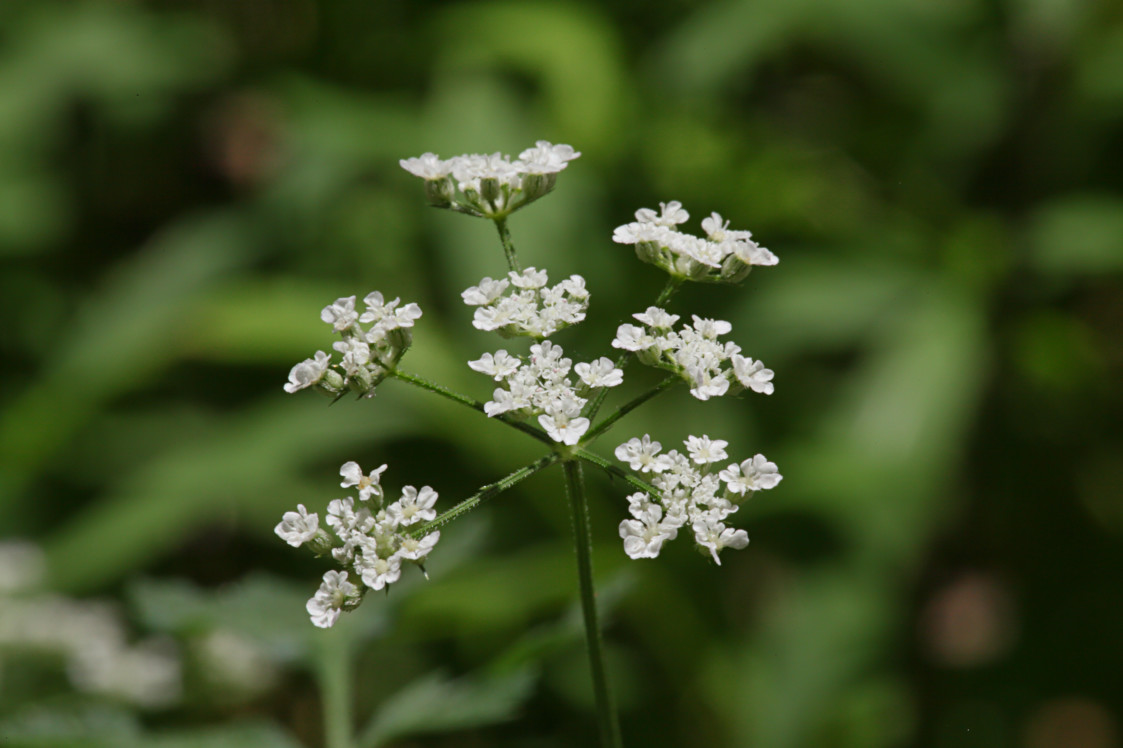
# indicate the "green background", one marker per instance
pixel 184 185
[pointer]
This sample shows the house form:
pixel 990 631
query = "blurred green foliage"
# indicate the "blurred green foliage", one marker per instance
pixel 183 185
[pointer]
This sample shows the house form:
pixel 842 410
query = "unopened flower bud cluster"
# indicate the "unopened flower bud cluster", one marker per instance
pixel 690 494
pixel 723 256
pixel 712 368
pixel 370 541
pixel 490 186
pixel 532 309
pixel 366 354
pixel 541 387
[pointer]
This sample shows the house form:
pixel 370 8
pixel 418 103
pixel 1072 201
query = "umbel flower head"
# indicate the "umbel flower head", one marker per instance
pixel 723 256
pixel 371 541
pixel 712 368
pixel 689 494
pixel 490 186
pixel 541 387
pixel 367 354
pixel 531 309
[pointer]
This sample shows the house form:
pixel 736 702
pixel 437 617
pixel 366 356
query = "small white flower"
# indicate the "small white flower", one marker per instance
pixel 417 550
pixel 715 536
pixel 671 214
pixel 711 328
pixel 297 528
pixel 755 474
pixel 499 366
pixel 341 315
pixel 657 318
pixel 488 291
pixel 563 429
pixel 752 374
pixel 529 278
pixel 644 536
pixel 377 572
pixel 704 450
pixel 427 166
pixel 546 158
pixel 308 372
pixel 632 338
pixel 640 454
pixel 326 605
pixel 414 506
pixel 368 485
pixel 599 373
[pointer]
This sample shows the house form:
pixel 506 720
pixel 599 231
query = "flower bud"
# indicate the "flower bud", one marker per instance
pixel 439 192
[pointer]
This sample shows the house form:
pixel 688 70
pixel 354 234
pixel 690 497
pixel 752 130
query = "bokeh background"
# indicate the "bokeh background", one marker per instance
pixel 185 184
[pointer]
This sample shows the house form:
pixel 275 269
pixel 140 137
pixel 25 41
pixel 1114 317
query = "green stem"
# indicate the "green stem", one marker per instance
pixel 622 361
pixel 333 673
pixel 627 408
pixel 508 246
pixel 484 494
pixel 606 710
pixel 472 403
pixel 616 471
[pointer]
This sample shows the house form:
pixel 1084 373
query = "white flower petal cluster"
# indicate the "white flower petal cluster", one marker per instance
pixel 490 185
pixel 367 353
pixel 541 386
pixel 722 256
pixel 690 494
pixel 531 309
pixel 370 540
pixel 712 368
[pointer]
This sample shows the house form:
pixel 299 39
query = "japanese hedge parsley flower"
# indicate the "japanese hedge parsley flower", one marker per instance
pixel 371 540
pixel 367 354
pixel 541 386
pixel 693 352
pixel 490 186
pixel 723 256
pixel 531 309
pixel 689 493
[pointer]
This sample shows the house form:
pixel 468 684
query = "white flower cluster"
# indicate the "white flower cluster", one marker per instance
pixel 712 368
pixel 542 387
pixel 367 355
pixel 532 309
pixel 371 541
pixel 689 494
pixel 723 256
pixel 87 636
pixel 490 186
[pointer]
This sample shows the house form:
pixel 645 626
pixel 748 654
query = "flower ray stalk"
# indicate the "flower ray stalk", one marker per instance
pixel 627 408
pixel 508 245
pixel 472 403
pixel 485 493
pixel 607 719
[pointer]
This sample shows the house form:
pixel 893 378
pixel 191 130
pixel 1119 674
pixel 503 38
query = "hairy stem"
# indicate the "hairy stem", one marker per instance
pixel 508 246
pixel 627 408
pixel 606 710
pixel 624 358
pixel 472 403
pixel 617 472
pixel 484 494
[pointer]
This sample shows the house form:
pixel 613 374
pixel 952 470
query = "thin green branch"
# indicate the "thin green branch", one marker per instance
pixel 508 246
pixel 472 403
pixel 484 494
pixel 606 711
pixel 616 471
pixel 627 408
